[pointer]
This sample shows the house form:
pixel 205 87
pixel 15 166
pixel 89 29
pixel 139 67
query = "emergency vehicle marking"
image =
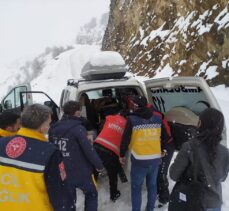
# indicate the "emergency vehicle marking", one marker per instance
pixel 178 89
pixel 16 147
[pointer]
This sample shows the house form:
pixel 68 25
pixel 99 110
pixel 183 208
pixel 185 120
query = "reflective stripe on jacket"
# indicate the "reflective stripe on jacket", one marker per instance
pixel 111 134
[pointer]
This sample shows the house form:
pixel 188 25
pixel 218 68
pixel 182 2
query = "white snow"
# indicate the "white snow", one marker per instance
pixel 155 33
pixel 167 71
pixel 184 22
pixel 225 63
pixel 184 61
pixel 203 67
pixel 141 33
pixel 68 66
pixel 106 58
pixel 201 25
pixel 211 72
pixel 223 19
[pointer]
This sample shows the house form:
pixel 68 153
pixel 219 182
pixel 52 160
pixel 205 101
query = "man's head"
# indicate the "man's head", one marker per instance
pixel 36 117
pixel 136 102
pixel 72 108
pixel 10 121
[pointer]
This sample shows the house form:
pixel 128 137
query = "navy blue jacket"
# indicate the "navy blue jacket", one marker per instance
pixel 79 155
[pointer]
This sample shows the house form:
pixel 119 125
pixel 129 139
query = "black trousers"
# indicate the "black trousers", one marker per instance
pixel 113 167
pixel 162 180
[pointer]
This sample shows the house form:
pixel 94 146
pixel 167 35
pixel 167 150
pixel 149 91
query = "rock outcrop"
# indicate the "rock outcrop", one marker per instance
pixel 171 37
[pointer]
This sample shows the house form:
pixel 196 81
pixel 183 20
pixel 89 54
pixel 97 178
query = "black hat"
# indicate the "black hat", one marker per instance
pixel 140 101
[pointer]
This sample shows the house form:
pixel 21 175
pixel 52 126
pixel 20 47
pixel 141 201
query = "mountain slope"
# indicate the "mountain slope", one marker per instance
pixel 189 37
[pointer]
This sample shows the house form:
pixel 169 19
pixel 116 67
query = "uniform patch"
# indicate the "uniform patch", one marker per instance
pixel 63 174
pixel 16 147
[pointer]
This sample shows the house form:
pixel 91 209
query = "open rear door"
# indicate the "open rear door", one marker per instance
pixel 22 96
pixel 191 93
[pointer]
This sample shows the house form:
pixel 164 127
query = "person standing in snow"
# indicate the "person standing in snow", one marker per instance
pixel 79 155
pixel 9 123
pixel 107 145
pixel 214 163
pixel 162 180
pixel 32 175
pixel 143 136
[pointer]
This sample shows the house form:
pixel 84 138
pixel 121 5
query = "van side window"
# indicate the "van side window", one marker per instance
pixel 12 100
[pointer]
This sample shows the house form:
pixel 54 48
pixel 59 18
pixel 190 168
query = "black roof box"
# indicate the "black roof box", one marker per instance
pixel 104 65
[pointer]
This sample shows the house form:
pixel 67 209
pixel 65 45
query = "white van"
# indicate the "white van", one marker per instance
pixel 105 77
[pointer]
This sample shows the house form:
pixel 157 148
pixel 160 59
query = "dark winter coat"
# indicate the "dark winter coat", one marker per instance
pixel 143 114
pixel 92 115
pixel 217 172
pixel 79 155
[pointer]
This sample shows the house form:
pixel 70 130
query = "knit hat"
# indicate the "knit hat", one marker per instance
pixel 140 101
pixel 212 120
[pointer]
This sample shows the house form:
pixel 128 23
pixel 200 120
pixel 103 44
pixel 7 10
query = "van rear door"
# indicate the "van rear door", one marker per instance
pixel 191 93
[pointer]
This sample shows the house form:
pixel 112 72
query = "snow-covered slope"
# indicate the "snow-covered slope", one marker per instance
pixel 57 71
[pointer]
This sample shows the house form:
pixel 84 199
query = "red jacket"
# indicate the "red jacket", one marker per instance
pixel 111 134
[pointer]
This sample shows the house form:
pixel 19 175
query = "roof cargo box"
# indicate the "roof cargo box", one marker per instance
pixel 105 65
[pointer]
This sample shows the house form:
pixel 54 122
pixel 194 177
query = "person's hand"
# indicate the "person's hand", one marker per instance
pixel 102 172
pixel 90 138
pixel 122 160
pixel 164 153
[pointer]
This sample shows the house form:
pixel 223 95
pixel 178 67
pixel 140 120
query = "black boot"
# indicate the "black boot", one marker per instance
pixel 115 196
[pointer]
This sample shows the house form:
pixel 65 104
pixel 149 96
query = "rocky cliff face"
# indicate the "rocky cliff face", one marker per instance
pixel 171 37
